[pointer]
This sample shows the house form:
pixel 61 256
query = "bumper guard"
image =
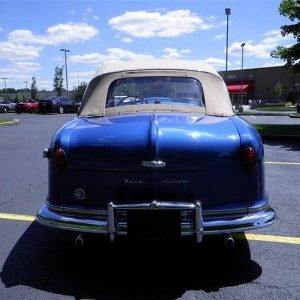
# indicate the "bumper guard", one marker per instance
pixel 198 223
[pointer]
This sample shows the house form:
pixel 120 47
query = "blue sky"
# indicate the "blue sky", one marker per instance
pixel 33 32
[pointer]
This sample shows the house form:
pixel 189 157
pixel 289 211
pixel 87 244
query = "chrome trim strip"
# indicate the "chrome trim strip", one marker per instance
pixel 157 205
pixel 77 210
pixel 204 226
pixel 154 164
pixel 169 205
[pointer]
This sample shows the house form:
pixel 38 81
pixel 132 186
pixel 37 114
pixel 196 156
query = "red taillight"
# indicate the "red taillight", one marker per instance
pixel 250 158
pixel 60 159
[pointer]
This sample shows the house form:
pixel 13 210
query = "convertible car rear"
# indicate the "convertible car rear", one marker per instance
pixel 156 152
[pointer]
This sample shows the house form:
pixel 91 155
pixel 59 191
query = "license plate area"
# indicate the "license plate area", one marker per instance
pixel 154 224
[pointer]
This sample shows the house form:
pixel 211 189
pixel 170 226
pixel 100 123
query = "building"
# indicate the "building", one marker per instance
pixel 271 84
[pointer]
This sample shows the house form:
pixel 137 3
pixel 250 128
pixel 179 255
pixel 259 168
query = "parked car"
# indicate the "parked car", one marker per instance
pixel 7 106
pixel 170 159
pixel 29 106
pixel 58 104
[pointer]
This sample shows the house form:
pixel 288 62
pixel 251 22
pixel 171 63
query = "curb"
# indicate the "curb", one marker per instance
pixel 8 123
pixel 264 114
pixel 293 138
pixel 293 116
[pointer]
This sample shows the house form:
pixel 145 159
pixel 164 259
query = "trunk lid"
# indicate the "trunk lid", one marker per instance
pixel 183 143
pixel 201 156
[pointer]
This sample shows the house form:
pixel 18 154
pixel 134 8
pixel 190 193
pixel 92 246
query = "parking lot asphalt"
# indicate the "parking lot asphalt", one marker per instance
pixel 283 120
pixel 41 263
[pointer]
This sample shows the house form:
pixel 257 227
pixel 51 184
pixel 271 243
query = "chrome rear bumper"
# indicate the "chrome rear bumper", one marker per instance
pixel 194 222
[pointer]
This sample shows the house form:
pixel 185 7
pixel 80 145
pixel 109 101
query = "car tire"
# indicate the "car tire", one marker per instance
pixel 4 110
pixel 31 111
pixel 60 110
pixel 18 112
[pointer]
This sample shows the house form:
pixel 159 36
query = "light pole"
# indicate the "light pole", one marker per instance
pixel 227 13
pixel 26 84
pixel 4 79
pixel 242 45
pixel 66 67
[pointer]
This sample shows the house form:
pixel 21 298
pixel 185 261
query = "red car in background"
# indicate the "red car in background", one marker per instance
pixel 30 106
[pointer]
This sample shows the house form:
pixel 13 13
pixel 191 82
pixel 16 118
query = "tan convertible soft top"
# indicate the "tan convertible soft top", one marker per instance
pixel 217 100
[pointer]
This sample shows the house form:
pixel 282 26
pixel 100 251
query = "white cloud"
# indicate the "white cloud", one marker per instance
pixel 88 11
pixel 171 53
pixel 82 76
pixel 16 52
pixel 72 12
pixel 272 33
pixel 261 49
pixel 272 64
pixel 20 71
pixel 112 54
pixel 127 40
pixel 143 24
pixel 45 85
pixel 57 34
pixel 215 62
pixel 96 17
pixel 219 36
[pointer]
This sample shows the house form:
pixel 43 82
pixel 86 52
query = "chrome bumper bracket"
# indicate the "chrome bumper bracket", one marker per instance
pixel 198 222
pixel 111 221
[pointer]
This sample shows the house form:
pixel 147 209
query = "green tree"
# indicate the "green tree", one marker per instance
pixel 128 89
pixel 58 80
pixel 278 89
pixel 17 98
pixel 34 89
pixel 79 91
pixel 291 54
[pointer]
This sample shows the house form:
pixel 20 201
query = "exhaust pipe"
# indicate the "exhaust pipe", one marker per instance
pixel 79 241
pixel 229 241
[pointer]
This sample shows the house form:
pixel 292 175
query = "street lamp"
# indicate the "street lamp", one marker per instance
pixel 4 79
pixel 242 45
pixel 227 13
pixel 26 84
pixel 66 50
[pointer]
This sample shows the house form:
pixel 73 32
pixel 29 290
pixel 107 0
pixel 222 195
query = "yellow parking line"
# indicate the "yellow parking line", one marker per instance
pixel 249 236
pixel 273 238
pixel 17 217
pixel 269 238
pixel 283 163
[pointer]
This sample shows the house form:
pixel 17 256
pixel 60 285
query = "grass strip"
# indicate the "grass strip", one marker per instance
pixel 297 115
pixel 7 121
pixel 275 108
pixel 275 130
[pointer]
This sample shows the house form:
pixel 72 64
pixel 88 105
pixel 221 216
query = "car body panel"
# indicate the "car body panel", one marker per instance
pixel 30 106
pixel 7 106
pixel 157 160
pixel 58 104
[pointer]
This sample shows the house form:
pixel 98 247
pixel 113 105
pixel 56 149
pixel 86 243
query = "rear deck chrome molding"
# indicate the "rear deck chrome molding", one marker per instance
pixel 75 210
pixel 197 226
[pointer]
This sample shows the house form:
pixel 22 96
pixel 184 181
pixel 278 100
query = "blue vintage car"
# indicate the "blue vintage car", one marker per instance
pixel 156 151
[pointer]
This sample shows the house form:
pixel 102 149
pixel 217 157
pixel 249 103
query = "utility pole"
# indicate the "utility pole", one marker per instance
pixel 4 79
pixel 242 45
pixel 227 13
pixel 66 68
